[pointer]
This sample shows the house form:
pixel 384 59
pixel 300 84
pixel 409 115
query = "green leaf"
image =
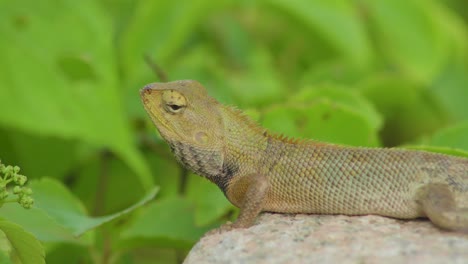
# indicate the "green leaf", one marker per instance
pixel 443 150
pixel 59 155
pixel 328 113
pixel 100 182
pixel 450 89
pixel 62 252
pixel 455 136
pixel 408 109
pixel 5 249
pixel 25 247
pixel 72 90
pixel 337 21
pixel 332 71
pixel 166 171
pixel 412 35
pixel 451 140
pixel 58 216
pixel 155 255
pixel 347 98
pixel 4 259
pixel 260 84
pixel 160 29
pixel 166 222
pixel 43 226
pixel 323 121
pixel 201 63
pixel 210 202
pixel 57 201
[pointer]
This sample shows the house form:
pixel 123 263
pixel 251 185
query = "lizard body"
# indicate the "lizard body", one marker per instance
pixel 259 172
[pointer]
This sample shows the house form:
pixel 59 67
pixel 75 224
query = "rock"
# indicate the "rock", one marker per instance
pixel 277 238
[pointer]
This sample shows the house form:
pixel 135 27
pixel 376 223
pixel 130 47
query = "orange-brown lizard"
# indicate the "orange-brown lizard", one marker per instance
pixel 259 172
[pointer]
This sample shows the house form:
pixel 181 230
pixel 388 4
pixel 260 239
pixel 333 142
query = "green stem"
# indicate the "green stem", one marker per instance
pixel 11 200
pixel 8 201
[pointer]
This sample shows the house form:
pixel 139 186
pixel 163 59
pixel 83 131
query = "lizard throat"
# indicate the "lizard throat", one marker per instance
pixel 205 162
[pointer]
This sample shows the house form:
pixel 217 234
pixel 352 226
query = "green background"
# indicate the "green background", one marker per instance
pixel 358 72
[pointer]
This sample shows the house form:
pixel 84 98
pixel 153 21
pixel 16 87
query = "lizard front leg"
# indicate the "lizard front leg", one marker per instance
pixel 248 193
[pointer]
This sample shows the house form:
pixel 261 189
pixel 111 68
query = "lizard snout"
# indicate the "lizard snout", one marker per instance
pixel 147 89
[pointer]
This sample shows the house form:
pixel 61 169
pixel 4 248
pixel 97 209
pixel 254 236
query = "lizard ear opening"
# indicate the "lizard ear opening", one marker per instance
pixel 173 101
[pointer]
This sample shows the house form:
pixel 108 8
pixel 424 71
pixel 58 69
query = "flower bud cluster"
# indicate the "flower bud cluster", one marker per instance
pixel 10 174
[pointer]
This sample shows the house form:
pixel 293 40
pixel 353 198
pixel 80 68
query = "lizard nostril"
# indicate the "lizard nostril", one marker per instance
pixel 146 89
pixel 148 86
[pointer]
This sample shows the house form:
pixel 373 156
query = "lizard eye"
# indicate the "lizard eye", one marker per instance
pixel 173 101
pixel 174 108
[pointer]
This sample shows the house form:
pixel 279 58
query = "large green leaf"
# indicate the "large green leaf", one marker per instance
pixel 160 29
pixel 408 109
pixel 326 113
pixel 451 91
pixel 260 84
pixel 63 86
pixel 347 98
pixel 58 215
pixel 337 21
pixel 42 225
pixel 443 150
pixel 210 202
pixel 323 121
pixel 100 183
pixel 455 136
pixel 58 202
pixel 25 248
pixel 4 259
pixel 169 221
pixel 451 140
pixel 417 36
pixel 167 171
pixel 17 147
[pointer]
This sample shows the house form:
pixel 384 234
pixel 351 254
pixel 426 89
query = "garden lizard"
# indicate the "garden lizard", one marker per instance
pixel 259 171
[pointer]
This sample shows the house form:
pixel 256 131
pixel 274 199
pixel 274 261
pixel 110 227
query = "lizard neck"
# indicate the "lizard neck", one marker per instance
pixel 243 136
pixel 244 146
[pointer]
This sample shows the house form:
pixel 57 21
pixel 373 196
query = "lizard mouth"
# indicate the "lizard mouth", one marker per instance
pixel 149 97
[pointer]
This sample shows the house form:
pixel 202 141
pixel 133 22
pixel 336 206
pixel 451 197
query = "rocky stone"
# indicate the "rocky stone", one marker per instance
pixel 277 238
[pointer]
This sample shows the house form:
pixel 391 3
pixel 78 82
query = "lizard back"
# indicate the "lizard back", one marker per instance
pixel 324 178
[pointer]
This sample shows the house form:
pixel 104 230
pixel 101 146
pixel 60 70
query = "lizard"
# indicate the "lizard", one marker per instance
pixel 260 171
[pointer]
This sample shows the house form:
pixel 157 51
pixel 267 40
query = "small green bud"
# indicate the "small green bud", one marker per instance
pixel 27 191
pixel 20 179
pixel 26 202
pixel 16 169
pixel 4 194
pixel 17 189
pixel 23 180
pixel 8 170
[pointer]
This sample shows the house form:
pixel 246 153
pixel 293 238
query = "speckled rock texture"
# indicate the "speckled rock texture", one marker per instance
pixel 277 238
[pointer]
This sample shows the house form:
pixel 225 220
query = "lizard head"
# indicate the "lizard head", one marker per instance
pixel 183 111
pixel 190 121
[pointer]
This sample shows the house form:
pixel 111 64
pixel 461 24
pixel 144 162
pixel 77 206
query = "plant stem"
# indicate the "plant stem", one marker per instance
pixel 102 183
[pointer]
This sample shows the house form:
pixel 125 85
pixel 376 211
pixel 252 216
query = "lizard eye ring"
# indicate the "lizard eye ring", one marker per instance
pixel 173 101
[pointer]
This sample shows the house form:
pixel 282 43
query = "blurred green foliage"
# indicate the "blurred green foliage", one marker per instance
pixel 356 72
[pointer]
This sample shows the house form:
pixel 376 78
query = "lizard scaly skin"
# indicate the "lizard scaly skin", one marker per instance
pixel 259 172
